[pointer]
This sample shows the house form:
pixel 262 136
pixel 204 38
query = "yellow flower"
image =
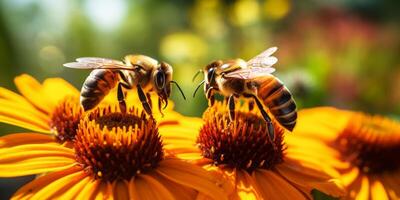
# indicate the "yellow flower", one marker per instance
pixel 242 153
pixel 363 149
pixel 79 157
pixel 33 110
pixel 52 107
pixel 112 155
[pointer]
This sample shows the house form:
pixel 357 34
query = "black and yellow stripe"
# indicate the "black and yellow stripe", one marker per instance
pixel 279 100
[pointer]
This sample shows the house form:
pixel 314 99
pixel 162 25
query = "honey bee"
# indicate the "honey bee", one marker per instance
pixel 139 71
pixel 252 80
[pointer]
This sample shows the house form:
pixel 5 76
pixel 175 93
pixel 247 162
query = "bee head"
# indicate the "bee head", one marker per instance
pixel 210 72
pixel 162 78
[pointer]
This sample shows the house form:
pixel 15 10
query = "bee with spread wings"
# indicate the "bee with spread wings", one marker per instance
pixel 141 72
pixel 252 79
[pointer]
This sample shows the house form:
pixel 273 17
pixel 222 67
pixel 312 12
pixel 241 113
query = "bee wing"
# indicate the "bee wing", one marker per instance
pixel 98 63
pixel 264 59
pixel 250 73
pixel 99 60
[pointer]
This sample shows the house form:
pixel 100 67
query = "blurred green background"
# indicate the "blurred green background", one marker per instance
pixel 341 53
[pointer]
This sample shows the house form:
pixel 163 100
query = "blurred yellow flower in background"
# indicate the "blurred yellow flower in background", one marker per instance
pixel 364 149
pixel 183 47
pixel 242 153
pixel 245 12
pixel 276 9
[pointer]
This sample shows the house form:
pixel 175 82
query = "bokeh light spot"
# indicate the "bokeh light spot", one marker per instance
pixel 276 9
pixel 183 47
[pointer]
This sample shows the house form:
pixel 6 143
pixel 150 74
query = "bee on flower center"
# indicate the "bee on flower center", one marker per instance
pixel 141 72
pixel 252 80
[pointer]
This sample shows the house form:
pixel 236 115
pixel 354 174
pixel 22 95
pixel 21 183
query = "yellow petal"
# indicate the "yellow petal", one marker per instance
pixel 23 124
pixel 33 92
pixel 298 142
pixel 181 149
pixel 58 187
pixel 350 176
pixel 29 159
pixel 246 187
pixel 89 190
pixel 190 157
pixel 324 123
pixel 378 191
pixel 35 166
pixel 28 151
pixel 178 132
pixel 56 89
pixel 177 190
pixel 120 190
pixel 274 186
pixel 310 166
pixel 14 97
pixel 25 138
pixel 133 193
pixel 391 183
pixel 104 191
pixel 309 182
pixel 150 188
pixel 331 159
pixel 191 176
pixel 363 194
pixel 28 190
pixel 12 106
pixel 76 189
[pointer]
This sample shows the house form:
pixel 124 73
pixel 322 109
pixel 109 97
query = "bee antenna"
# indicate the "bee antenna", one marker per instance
pixel 197 73
pixel 198 86
pixel 177 85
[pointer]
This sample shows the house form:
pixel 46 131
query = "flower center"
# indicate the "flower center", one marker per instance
pixel 243 143
pixel 112 145
pixel 65 119
pixel 372 143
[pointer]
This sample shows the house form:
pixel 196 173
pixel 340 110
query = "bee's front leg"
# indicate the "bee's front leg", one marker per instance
pixel 149 99
pixel 121 98
pixel 210 96
pixel 143 99
pixel 231 103
pixel 251 105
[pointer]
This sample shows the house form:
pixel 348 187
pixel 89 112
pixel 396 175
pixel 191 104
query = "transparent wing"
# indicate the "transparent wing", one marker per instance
pixel 99 60
pixel 250 73
pixel 98 63
pixel 264 59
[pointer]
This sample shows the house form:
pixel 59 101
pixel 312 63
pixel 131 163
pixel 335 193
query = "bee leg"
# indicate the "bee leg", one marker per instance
pixel 271 131
pixel 121 98
pixel 210 96
pixel 149 100
pixel 212 100
pixel 143 99
pixel 251 105
pixel 231 103
pixel 226 99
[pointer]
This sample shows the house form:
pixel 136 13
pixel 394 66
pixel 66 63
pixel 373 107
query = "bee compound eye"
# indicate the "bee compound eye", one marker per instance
pixel 210 74
pixel 160 80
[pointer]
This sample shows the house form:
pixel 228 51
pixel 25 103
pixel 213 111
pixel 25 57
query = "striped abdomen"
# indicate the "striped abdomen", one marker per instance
pixel 279 100
pixel 96 86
